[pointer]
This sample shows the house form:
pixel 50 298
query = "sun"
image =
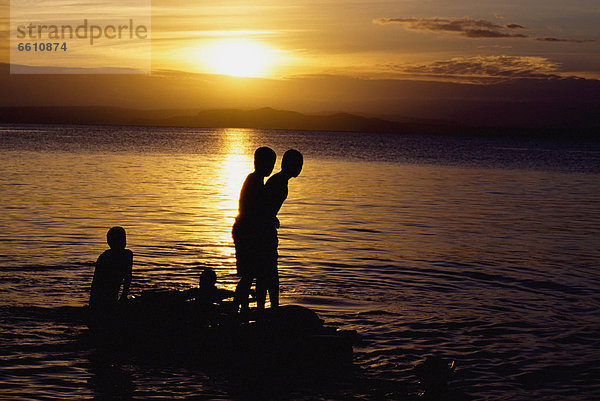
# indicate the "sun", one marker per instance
pixel 238 58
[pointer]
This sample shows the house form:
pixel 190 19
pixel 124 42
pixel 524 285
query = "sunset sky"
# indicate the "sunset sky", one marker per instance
pixel 461 39
pixel 317 55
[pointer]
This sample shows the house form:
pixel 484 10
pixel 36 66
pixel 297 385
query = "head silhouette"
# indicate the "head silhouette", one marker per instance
pixel 264 160
pixel 116 238
pixel 291 164
pixel 208 278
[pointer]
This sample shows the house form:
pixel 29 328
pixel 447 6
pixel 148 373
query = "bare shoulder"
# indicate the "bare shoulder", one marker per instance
pixel 118 256
pixel 125 254
pixel 276 181
pixel 253 179
pixel 103 256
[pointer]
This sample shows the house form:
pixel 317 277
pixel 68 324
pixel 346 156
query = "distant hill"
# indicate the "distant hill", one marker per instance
pixel 265 118
pixel 268 118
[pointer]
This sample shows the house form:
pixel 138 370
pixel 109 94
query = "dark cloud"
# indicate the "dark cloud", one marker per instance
pixel 486 33
pixel 484 68
pixel 470 28
pixel 564 40
pixel 465 26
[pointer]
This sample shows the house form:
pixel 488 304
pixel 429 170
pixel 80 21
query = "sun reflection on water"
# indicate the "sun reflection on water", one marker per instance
pixel 230 174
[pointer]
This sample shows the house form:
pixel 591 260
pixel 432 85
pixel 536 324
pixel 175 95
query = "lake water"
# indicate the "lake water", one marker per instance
pixel 485 251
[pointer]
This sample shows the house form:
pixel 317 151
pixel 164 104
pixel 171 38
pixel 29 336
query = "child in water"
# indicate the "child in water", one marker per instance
pixel 249 227
pixel 276 192
pixel 208 293
pixel 113 269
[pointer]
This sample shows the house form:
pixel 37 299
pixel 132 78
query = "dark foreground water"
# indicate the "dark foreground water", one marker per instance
pixel 482 251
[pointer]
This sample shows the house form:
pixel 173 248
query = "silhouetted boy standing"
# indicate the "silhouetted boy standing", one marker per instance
pixel 276 192
pixel 249 227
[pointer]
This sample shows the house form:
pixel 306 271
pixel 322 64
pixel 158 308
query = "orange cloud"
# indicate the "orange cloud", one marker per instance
pixel 490 67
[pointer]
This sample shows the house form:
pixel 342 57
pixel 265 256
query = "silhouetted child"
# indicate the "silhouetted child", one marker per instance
pixel 276 192
pixel 208 292
pixel 113 269
pixel 249 227
pixel 208 280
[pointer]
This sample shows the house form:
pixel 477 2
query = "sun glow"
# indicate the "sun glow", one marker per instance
pixel 239 58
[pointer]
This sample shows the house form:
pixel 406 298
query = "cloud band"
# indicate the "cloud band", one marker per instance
pixel 468 27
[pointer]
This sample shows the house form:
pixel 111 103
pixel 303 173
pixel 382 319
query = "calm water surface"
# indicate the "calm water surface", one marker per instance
pixel 482 251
